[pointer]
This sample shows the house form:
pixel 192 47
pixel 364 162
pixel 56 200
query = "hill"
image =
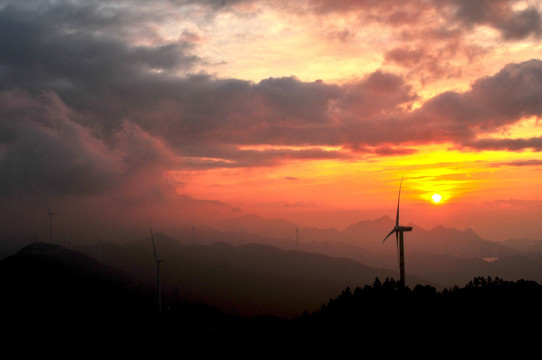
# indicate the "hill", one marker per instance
pixel 249 280
pixel 45 284
pixel 443 256
pixel 457 320
pixel 46 278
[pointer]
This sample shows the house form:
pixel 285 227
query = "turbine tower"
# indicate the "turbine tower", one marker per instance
pixel 399 230
pixel 51 213
pixel 157 261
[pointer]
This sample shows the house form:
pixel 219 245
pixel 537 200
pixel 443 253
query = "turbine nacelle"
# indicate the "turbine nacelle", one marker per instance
pixel 396 229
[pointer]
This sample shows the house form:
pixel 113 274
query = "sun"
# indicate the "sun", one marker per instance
pixel 436 198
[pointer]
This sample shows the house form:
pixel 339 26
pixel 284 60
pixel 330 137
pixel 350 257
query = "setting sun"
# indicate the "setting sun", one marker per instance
pixel 436 198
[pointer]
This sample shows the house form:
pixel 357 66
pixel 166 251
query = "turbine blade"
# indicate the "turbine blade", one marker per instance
pixel 387 236
pixel 153 246
pixel 398 199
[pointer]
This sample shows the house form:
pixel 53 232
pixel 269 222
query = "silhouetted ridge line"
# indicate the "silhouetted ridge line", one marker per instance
pixel 484 304
pixel 39 248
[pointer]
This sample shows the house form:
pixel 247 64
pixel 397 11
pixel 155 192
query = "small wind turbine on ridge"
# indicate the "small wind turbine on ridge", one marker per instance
pixel 297 237
pixel 399 230
pixel 193 233
pixel 157 261
pixel 51 213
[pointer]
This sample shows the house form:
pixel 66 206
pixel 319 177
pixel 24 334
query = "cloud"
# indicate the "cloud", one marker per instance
pixel 104 102
pixel 532 162
pixel 501 15
pixel 440 61
pixel 128 99
pixel 492 103
pixel 45 151
pixel 534 143
pixel 101 185
pixel 48 47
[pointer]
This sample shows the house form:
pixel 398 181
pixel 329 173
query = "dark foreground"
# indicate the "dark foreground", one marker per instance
pixel 46 309
pixel 486 314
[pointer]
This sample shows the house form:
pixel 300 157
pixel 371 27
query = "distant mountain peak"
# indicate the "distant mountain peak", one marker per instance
pixel 384 218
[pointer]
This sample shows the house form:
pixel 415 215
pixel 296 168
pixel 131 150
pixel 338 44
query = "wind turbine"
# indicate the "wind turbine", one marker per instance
pixel 51 213
pixel 157 261
pixel 399 230
pixel 297 237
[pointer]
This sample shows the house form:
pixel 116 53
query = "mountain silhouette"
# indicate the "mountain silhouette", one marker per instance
pixel 45 278
pixel 442 256
pixel 253 274
pixel 248 280
pixel 223 292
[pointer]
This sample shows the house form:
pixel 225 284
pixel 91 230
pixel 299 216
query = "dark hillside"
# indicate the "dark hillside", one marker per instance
pixel 485 308
pixel 85 300
pixel 50 279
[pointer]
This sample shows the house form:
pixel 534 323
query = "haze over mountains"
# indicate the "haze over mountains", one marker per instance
pixel 443 256
pixel 255 266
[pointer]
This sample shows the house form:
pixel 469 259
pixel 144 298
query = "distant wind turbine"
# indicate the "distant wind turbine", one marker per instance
pixel 399 230
pixel 157 261
pixel 297 237
pixel 51 213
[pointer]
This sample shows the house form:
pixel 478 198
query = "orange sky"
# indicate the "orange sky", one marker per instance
pixel 338 46
pixel 310 110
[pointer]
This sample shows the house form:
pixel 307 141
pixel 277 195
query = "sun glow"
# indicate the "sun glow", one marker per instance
pixel 436 198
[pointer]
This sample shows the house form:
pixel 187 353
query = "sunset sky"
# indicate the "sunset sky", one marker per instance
pixel 117 114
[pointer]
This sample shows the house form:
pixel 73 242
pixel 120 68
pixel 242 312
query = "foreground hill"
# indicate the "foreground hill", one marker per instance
pixel 46 278
pixel 488 315
pixel 90 305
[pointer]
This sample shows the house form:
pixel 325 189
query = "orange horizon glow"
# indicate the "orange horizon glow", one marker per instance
pixel 371 183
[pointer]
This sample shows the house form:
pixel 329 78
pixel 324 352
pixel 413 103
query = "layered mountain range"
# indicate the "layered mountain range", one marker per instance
pixel 253 266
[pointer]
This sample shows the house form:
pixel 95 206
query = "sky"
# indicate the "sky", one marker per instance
pixel 120 114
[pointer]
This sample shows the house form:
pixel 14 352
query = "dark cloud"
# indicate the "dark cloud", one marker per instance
pixel 47 48
pixel 290 98
pixel 498 14
pixel 215 116
pixel 233 157
pixel 522 163
pixel 513 92
pixel 493 103
pixel 45 151
pixel 388 11
pixel 98 108
pixel 534 144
